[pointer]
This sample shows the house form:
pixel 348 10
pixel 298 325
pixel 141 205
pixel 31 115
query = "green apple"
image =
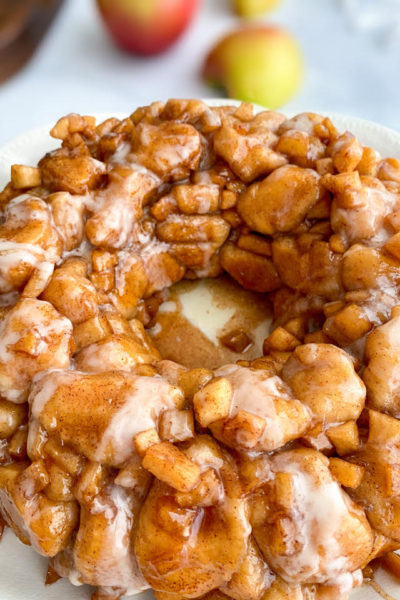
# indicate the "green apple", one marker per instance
pixel 252 8
pixel 260 64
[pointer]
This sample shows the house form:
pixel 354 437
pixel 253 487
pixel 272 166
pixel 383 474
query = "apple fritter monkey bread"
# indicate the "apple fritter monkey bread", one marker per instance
pixel 276 479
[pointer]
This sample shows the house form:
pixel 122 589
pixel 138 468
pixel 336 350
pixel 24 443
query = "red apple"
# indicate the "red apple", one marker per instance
pixel 146 26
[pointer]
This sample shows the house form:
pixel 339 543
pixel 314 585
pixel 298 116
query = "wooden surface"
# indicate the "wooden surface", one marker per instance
pixel 23 23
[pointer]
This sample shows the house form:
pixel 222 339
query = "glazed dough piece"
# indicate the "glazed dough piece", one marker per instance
pixel 169 149
pixel 116 208
pixel 247 147
pixel 313 270
pixel 359 208
pixel 186 549
pixel 308 122
pixel 116 407
pixel 378 492
pixel 307 527
pixel 33 337
pixel 38 521
pixel 382 374
pixel 68 215
pixel 120 352
pixel 82 429
pixel 29 245
pixel 368 268
pixel 103 552
pixel 280 202
pixel 252 271
pixel 76 174
pixel 71 292
pixel 322 376
pixel 261 412
pixel 109 342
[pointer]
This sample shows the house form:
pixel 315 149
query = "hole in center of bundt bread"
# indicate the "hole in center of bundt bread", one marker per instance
pixel 211 322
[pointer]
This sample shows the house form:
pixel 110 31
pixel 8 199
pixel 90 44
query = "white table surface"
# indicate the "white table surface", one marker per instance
pixel 78 69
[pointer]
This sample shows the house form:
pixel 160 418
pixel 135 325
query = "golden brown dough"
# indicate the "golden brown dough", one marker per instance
pixel 193 550
pixel 380 375
pixel 117 407
pixel 378 492
pixel 281 201
pixel 323 377
pixel 33 337
pixel 305 525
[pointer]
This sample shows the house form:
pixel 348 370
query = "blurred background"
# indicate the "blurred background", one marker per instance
pixel 57 56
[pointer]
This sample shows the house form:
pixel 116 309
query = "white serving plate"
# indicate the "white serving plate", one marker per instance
pixel 22 571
